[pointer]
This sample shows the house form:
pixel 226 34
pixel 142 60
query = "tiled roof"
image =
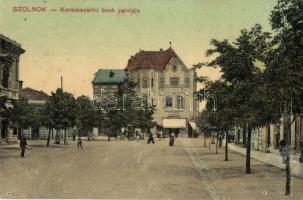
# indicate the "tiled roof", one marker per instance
pixel 31 94
pixel 110 76
pixel 151 59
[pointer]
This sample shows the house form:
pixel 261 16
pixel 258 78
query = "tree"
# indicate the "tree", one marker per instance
pixel 242 76
pixel 88 118
pixel 218 113
pixel 21 115
pixel 126 108
pixel 47 118
pixel 64 112
pixel 284 67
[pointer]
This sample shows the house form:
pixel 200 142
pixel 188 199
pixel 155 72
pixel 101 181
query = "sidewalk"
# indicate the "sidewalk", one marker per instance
pixel 272 159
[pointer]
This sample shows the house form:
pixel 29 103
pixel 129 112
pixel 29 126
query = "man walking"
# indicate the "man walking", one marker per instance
pixel 23 144
pixel 301 146
pixel 150 138
pixel 172 139
pixel 79 142
pixel 220 140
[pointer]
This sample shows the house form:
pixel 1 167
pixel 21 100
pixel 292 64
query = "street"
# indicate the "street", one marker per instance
pixel 136 170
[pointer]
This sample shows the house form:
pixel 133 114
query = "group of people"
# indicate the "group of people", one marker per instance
pixel 23 141
pixel 23 144
pixel 171 138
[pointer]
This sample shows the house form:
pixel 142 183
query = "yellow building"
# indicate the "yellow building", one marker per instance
pixel 10 84
pixel 169 85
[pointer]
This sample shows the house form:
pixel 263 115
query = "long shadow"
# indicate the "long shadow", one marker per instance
pixel 10 148
pixel 51 146
pixel 5 156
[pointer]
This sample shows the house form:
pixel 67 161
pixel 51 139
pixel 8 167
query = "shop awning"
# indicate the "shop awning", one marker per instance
pixel 193 125
pixel 174 123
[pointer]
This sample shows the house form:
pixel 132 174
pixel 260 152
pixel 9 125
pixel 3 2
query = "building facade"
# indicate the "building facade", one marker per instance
pixel 36 99
pixel 107 81
pixel 169 85
pixel 10 84
pixel 267 138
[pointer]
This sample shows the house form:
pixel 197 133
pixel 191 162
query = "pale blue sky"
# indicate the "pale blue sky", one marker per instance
pixel 75 45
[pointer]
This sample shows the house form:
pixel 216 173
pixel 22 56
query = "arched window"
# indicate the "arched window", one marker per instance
pixel 152 82
pixel 168 102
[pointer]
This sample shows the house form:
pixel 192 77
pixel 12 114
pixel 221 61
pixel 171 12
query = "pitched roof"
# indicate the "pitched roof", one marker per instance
pixel 31 94
pixel 110 76
pixel 151 59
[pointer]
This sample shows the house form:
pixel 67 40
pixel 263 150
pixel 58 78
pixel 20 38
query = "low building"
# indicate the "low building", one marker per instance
pixel 37 99
pixel 267 138
pixel 10 84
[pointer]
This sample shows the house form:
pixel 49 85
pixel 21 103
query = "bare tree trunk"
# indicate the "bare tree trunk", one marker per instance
pixel 209 142
pixel 65 141
pixel 226 146
pixel 244 136
pixel 217 144
pixel 57 140
pixel 204 139
pixel 48 137
pixel 248 149
pixel 287 130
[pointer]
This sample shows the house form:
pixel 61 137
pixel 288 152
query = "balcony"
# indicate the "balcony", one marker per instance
pixel 170 88
pixel 10 93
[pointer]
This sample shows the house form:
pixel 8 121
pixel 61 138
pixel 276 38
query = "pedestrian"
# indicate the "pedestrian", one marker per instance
pixel 74 135
pixel 301 146
pixel 283 150
pixel 23 144
pixel 220 140
pixel 160 134
pixel 171 139
pixel 150 138
pixel 137 135
pixel 79 142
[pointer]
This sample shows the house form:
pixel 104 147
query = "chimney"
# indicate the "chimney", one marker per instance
pixel 62 83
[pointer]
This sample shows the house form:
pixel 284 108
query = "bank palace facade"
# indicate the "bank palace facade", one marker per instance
pixel 169 86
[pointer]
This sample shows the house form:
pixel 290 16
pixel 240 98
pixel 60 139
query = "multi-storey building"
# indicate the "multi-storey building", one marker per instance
pixel 10 84
pixel 169 85
pixel 105 84
pixel 106 81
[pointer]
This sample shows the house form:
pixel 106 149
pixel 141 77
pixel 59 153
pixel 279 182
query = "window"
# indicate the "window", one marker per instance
pixel 144 84
pixel 138 82
pixel 174 68
pixel 186 81
pixel 174 81
pixel 161 82
pixel 5 78
pixel 180 102
pixel 152 82
pixel 168 102
pixel 111 74
pixel 161 74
